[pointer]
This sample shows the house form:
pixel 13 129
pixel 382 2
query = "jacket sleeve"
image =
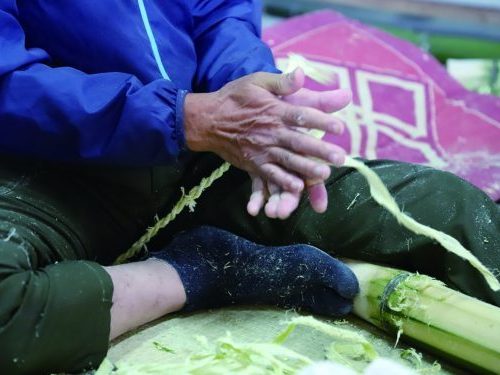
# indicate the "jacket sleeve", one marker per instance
pixel 227 39
pixel 64 114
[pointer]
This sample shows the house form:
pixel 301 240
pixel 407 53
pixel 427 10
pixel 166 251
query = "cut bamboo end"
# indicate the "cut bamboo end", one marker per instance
pixel 463 329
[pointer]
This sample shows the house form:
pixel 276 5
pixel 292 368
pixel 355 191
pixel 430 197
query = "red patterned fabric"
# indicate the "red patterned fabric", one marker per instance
pixel 405 105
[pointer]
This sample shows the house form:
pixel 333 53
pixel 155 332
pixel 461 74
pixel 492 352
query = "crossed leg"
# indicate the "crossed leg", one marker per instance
pixel 355 226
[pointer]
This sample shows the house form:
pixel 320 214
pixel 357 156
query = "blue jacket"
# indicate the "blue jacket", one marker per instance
pixel 105 80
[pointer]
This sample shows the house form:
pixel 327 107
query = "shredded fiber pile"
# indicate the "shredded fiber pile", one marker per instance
pixel 255 341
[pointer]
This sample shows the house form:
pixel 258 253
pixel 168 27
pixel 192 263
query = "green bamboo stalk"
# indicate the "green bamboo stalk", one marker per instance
pixel 461 328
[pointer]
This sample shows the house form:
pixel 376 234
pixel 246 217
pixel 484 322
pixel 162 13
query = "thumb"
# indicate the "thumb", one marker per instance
pixel 281 84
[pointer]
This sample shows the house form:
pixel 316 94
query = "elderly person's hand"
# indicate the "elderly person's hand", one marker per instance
pixel 278 202
pixel 254 123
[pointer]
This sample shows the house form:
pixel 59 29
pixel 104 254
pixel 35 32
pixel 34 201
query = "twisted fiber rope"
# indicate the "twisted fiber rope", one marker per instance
pixel 188 199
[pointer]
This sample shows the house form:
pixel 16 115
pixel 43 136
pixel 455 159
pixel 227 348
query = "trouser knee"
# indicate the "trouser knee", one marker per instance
pixel 53 317
pixel 15 279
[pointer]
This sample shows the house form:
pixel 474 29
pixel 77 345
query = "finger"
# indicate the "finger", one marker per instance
pixel 273 188
pixel 280 84
pixel 304 167
pixel 279 176
pixel 258 196
pixel 326 101
pixel 287 204
pixel 257 183
pixel 271 208
pixel 311 118
pixel 256 202
pixel 318 196
pixel 312 147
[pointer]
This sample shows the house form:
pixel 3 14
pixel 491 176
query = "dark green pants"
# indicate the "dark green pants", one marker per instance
pixel 59 224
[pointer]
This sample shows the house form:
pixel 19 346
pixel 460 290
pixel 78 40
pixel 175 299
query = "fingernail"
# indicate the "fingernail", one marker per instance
pixel 337 128
pixel 321 171
pixel 339 160
pixel 336 159
pixel 296 186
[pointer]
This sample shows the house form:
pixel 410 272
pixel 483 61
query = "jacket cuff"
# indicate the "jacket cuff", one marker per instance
pixel 179 120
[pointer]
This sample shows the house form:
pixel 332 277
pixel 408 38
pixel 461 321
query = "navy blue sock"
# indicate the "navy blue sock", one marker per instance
pixel 218 268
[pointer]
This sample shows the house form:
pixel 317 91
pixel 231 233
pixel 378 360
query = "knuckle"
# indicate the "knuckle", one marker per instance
pixel 253 139
pixel 280 135
pixel 269 122
pixel 272 174
pixel 251 78
pixel 274 108
pixel 259 158
pixel 283 157
pixel 247 155
pixel 299 118
pixel 257 140
pixel 278 85
pixel 296 116
pixel 295 143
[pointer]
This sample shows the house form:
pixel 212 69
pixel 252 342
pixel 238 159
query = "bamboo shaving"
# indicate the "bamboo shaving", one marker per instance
pixel 382 196
pixel 414 358
pixel 225 356
pixel 315 72
pixel 330 330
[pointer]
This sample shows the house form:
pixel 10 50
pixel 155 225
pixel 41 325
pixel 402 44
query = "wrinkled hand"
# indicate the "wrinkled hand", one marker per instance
pixel 248 124
pixel 279 203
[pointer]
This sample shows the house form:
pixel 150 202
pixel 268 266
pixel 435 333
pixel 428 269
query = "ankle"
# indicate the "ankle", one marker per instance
pixel 172 295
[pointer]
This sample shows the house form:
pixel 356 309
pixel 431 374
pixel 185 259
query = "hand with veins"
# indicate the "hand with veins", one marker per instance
pixel 278 203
